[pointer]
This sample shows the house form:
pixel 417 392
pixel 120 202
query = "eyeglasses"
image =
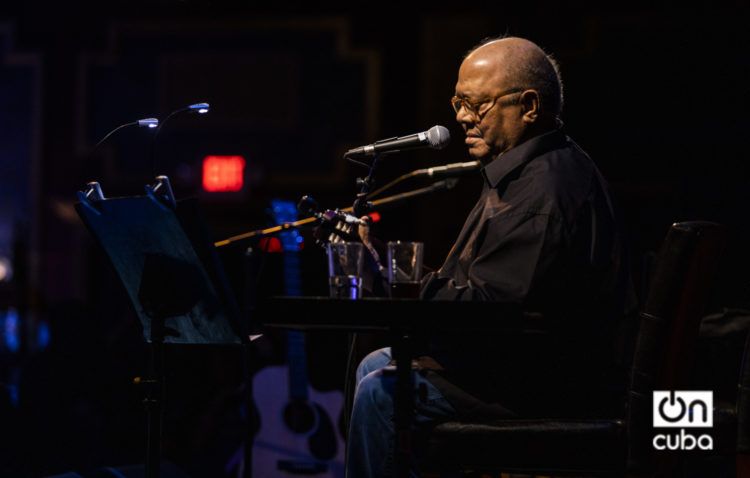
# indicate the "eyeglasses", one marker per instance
pixel 457 103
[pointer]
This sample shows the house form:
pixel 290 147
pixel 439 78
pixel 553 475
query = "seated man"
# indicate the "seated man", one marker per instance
pixel 543 234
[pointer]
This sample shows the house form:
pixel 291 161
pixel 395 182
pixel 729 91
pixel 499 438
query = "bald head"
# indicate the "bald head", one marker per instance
pixel 508 91
pixel 517 62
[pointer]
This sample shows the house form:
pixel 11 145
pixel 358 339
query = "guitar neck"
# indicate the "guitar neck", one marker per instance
pixel 296 358
pixel 297 365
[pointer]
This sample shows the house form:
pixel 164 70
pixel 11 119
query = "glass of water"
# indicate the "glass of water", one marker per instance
pixel 405 268
pixel 345 261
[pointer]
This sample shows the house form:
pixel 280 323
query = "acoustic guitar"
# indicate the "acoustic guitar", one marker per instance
pixel 298 435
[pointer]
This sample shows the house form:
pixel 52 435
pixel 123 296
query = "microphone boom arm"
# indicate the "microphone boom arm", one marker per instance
pixel 445 184
pixel 429 172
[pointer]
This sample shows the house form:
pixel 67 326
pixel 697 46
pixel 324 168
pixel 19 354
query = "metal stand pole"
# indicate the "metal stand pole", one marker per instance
pixel 154 399
pixel 403 406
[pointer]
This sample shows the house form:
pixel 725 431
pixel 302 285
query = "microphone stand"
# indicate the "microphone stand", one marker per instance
pixel 361 205
pixel 445 184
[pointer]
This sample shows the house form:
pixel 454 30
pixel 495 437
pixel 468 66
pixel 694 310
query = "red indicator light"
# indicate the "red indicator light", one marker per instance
pixel 223 173
pixel 271 244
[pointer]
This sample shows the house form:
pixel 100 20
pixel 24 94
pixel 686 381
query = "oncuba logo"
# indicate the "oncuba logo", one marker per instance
pixel 683 409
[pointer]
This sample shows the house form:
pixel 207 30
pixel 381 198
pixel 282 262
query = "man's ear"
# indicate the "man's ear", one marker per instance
pixel 530 106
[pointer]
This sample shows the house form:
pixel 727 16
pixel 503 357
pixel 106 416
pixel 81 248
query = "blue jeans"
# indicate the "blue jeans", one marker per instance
pixel 371 429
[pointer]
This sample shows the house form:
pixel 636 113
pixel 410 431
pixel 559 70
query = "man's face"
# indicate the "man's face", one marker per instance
pixel 495 125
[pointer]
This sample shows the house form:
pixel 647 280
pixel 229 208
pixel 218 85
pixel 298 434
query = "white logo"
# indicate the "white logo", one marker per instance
pixel 677 409
pixel 683 409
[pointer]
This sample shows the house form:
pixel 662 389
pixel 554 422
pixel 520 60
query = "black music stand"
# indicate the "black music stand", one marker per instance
pixel 171 272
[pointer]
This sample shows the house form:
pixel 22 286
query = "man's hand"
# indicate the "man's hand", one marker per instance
pixel 364 234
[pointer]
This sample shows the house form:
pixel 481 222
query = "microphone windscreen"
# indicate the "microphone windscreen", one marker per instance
pixel 438 137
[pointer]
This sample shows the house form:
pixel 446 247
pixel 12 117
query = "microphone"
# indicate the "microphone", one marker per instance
pixel 436 137
pixel 149 123
pixel 454 169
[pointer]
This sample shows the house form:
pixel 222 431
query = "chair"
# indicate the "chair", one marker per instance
pixel 680 284
pixel 743 415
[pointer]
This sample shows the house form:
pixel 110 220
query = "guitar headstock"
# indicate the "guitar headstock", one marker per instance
pixel 335 226
pixel 285 212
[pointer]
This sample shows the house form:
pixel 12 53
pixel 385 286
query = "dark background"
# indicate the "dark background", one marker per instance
pixel 658 96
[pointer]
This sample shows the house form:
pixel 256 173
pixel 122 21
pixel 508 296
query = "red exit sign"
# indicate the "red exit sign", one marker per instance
pixel 223 174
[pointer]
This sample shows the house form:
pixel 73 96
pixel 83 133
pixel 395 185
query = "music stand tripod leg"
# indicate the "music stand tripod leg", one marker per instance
pixel 154 399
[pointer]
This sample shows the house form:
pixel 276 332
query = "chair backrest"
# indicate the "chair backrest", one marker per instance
pixel 680 285
pixel 743 403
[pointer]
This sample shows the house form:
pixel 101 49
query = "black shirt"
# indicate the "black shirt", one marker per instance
pixel 543 234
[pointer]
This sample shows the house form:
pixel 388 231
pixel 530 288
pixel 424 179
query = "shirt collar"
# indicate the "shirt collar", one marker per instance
pixel 506 162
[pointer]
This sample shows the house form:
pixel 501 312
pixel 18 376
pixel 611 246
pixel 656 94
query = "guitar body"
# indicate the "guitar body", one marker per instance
pixel 296 437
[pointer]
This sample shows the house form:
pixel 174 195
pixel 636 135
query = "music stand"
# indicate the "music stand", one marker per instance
pixel 173 277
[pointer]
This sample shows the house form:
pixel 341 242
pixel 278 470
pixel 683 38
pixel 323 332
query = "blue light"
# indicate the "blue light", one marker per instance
pixel 13 388
pixel 201 108
pixel 11 331
pixel 285 212
pixel 148 122
pixel 43 335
